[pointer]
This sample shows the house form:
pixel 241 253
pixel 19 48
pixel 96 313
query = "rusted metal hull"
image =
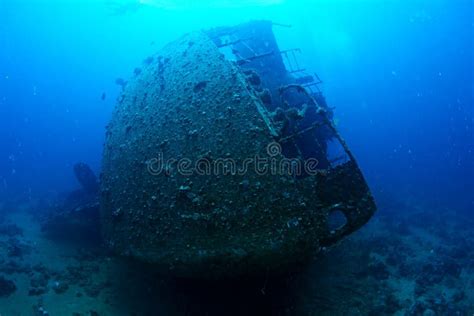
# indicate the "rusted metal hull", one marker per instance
pixel 193 103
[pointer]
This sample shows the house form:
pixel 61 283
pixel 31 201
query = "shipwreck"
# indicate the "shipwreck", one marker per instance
pixel 174 192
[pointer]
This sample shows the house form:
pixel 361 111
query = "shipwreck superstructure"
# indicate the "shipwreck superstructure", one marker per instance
pixel 180 186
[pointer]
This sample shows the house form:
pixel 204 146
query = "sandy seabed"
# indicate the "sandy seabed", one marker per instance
pixel 406 261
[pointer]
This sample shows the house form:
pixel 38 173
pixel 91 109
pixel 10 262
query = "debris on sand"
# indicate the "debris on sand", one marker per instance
pixel 7 287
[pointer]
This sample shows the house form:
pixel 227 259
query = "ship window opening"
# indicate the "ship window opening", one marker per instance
pixel 336 155
pixel 302 128
pixel 336 221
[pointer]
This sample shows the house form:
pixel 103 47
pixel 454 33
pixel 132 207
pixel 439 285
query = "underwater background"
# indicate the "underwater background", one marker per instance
pixel 399 75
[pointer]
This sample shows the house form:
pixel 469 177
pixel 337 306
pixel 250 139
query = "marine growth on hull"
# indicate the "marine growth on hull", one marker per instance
pixel 221 160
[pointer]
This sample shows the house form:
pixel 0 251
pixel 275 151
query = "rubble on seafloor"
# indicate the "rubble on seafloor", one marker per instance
pixel 7 287
pixel 77 216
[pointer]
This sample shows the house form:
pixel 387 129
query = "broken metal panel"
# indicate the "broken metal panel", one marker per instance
pixel 256 48
pixel 295 98
pixel 225 93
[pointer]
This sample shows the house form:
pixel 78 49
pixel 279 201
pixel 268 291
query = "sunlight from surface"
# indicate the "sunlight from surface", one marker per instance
pixel 131 5
pixel 186 4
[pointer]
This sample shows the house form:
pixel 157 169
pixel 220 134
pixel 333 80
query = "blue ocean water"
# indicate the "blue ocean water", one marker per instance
pixel 399 75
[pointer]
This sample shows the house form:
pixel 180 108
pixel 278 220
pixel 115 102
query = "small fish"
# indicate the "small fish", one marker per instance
pixel 137 71
pixel 148 60
pixel 120 82
pixel 103 96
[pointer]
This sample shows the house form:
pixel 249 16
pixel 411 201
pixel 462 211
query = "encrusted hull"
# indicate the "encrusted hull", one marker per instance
pixel 221 216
